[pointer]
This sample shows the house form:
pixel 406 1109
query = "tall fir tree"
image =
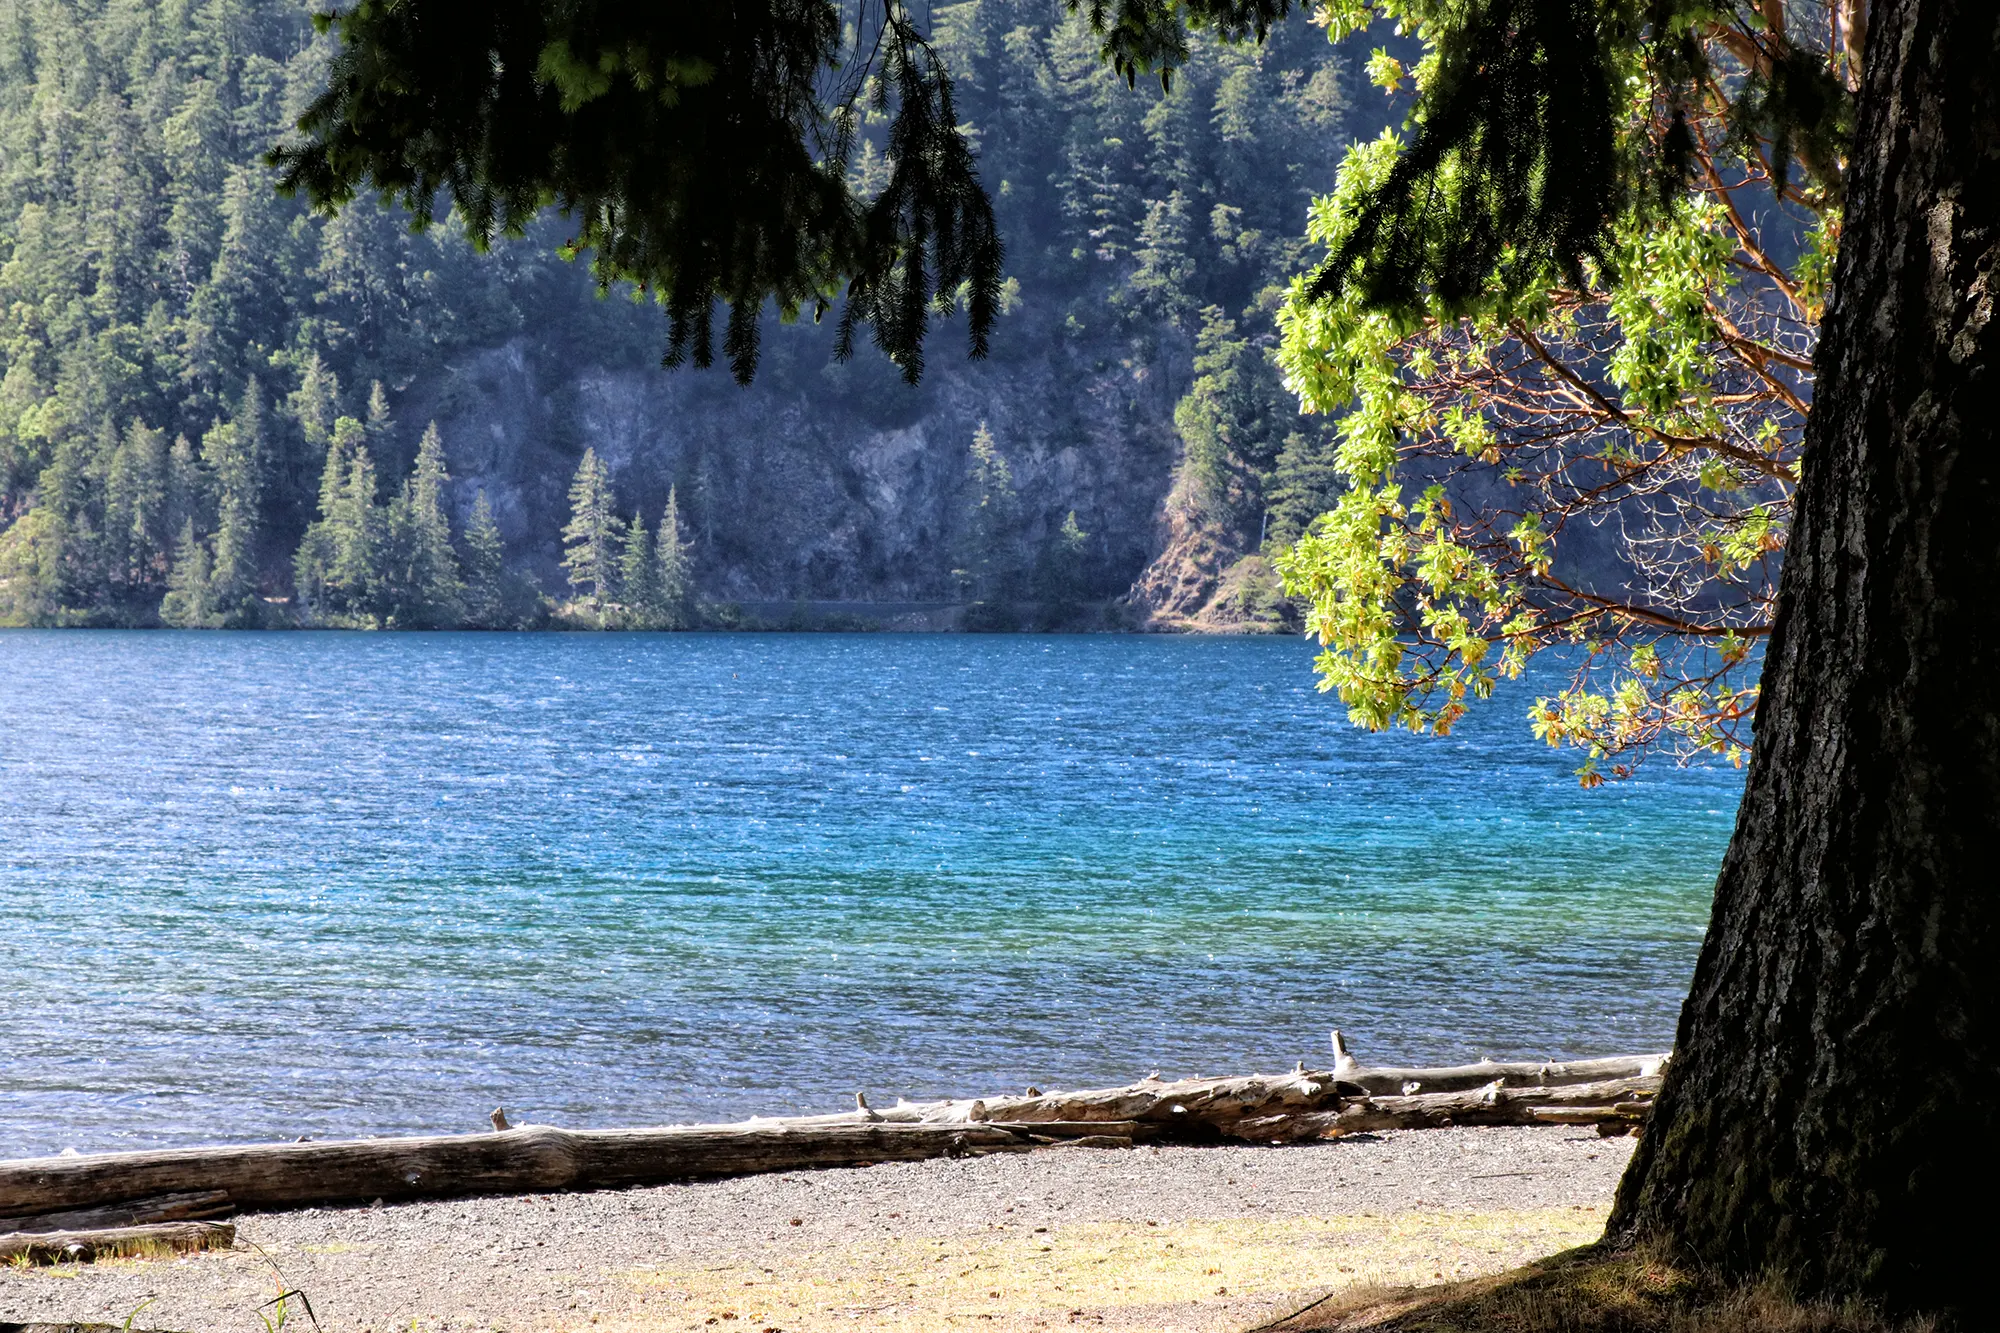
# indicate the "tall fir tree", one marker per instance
pixel 189 601
pixel 1061 576
pixel 234 453
pixel 987 556
pixel 485 566
pixel 592 533
pixel 136 501
pixel 673 569
pixel 1233 421
pixel 311 409
pixel 314 582
pixel 315 403
pixel 427 590
pixel 380 426
pixel 356 525
pixel 638 590
pixel 110 561
pixel 1305 484
pixel 187 489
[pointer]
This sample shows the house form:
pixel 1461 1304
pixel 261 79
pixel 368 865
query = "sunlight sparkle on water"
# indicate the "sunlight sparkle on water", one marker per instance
pixel 258 886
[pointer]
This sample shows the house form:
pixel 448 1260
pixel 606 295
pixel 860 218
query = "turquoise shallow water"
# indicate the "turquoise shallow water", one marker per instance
pixel 257 886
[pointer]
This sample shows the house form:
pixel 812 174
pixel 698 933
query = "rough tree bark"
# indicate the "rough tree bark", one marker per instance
pixel 1832 1112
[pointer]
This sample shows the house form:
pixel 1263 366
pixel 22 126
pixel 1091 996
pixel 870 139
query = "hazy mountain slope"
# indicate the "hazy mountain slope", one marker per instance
pixel 177 343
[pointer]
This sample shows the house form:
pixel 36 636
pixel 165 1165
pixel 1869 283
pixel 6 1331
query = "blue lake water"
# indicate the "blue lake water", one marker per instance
pixel 258 886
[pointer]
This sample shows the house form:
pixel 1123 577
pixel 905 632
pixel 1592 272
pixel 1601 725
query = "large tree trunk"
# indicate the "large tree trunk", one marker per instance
pixel 1833 1108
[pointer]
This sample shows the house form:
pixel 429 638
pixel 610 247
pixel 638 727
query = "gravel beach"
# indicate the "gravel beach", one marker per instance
pixel 1167 1238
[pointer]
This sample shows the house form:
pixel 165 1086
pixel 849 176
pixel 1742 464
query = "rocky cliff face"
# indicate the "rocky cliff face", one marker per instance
pixel 1202 580
pixel 853 491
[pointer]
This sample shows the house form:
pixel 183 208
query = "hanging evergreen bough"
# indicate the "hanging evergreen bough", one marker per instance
pixel 701 150
pixel 1518 171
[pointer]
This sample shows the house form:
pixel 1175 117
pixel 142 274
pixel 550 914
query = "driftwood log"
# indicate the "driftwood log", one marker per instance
pixel 539 1159
pixel 77 1193
pixel 1311 1104
pixel 66 1247
pixel 197 1206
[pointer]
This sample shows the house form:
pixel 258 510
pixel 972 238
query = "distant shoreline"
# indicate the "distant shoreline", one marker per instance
pixel 831 616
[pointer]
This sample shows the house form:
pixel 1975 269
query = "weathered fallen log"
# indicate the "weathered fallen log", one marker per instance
pixel 1622 1113
pixel 539 1158
pixel 1307 1103
pixel 1060 1131
pixel 203 1205
pixel 1520 1074
pixel 1494 1104
pixel 65 1247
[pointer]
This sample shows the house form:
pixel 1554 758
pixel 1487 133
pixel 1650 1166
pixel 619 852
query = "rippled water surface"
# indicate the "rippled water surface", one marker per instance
pixel 257 886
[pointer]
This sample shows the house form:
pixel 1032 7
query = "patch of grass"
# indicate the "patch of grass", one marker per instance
pixel 1587 1290
pixel 275 1313
pixel 129 1251
pixel 1202 1275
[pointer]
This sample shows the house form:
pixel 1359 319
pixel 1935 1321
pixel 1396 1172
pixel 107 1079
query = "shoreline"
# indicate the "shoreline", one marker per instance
pixel 79 1193
pixel 816 616
pixel 1157 1237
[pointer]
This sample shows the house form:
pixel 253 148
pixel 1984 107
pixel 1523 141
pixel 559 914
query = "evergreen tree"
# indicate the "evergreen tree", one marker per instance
pixel 1305 484
pixel 367 315
pixel 1060 581
pixel 233 452
pixel 380 426
pixel 313 576
pixel 1232 422
pixel 189 601
pixel 987 557
pixel 1826 1115
pixel 1071 538
pixel 592 534
pixel 673 566
pixel 136 508
pixel 485 561
pixel 638 590
pixel 244 296
pixel 187 488
pixel 356 526
pixel 1100 180
pixel 315 403
pixel 311 408
pixel 425 590
pixel 110 478
pixel 1161 289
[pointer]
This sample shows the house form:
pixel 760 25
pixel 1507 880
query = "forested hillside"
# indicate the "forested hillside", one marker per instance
pixel 214 407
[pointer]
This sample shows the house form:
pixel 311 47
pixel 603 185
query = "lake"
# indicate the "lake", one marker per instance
pixel 254 886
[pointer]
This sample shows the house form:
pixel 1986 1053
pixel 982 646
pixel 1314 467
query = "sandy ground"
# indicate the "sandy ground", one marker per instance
pixel 1208 1239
